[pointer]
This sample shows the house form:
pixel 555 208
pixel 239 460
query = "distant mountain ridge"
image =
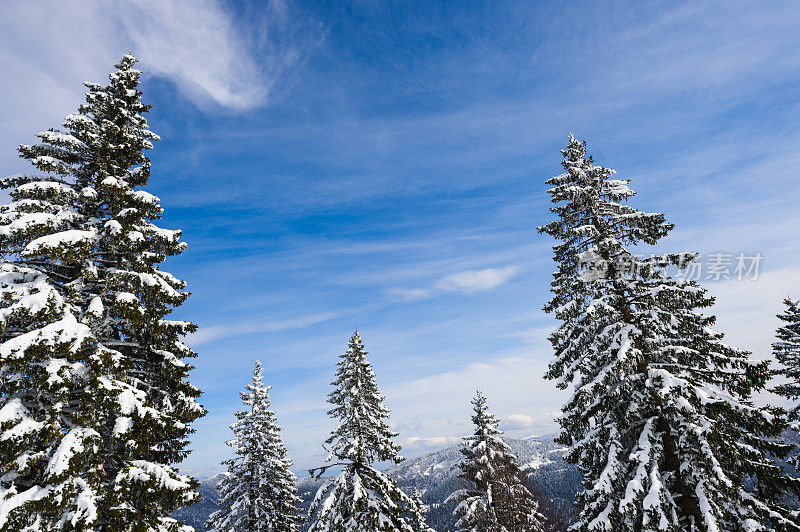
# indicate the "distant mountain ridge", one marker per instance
pixel 435 475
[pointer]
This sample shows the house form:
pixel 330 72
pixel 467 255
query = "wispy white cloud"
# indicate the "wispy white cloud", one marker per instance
pixel 474 280
pixel 409 294
pixel 465 282
pixel 431 442
pixel 196 44
pixel 218 332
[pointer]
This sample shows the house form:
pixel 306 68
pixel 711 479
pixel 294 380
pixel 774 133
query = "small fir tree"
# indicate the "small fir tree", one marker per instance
pixel 95 405
pixel 361 498
pixel 259 492
pixel 496 498
pixel 660 424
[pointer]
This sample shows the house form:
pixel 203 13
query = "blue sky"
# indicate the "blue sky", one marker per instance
pixel 381 165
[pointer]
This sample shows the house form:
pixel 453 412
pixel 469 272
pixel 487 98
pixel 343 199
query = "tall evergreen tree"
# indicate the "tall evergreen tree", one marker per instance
pixel 361 498
pixel 660 423
pixel 787 352
pixel 496 498
pixel 259 492
pixel 95 405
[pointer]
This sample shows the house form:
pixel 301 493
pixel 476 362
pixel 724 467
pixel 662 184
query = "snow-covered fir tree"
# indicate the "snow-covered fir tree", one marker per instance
pixel 495 498
pixel 660 424
pixel 361 498
pixel 787 351
pixel 258 494
pixel 95 405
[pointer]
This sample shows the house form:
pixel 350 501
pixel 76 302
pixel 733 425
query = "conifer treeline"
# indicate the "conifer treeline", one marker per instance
pixel 360 497
pixel 96 407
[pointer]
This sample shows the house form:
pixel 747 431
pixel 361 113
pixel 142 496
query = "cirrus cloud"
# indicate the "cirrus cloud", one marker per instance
pixel 470 281
pixel 465 282
pixel 433 442
pixel 198 45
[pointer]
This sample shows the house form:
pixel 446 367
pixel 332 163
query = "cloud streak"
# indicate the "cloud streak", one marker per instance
pixel 465 282
pixel 198 45
pixel 470 281
pixel 219 332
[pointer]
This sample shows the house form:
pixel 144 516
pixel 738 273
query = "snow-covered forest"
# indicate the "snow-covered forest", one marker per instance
pixel 666 427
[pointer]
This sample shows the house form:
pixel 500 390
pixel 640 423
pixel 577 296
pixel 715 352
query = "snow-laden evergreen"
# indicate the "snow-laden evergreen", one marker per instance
pixel 258 494
pixel 787 351
pixel 660 423
pixel 361 498
pixel 95 405
pixel 495 498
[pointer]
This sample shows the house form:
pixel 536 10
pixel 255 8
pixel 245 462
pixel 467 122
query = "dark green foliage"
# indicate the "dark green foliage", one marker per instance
pixel 787 350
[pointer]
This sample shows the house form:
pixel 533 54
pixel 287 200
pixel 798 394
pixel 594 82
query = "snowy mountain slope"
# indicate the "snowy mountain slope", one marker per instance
pixel 436 476
pixel 197 514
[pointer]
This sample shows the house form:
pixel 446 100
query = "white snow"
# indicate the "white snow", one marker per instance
pixel 71 238
pixel 72 444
